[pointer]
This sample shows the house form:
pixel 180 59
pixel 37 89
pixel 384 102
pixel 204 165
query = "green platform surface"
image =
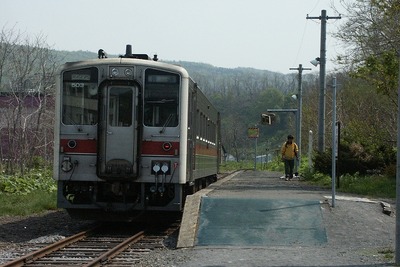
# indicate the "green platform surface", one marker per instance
pixel 260 222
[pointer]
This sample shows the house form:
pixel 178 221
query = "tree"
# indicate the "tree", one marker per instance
pixel 27 98
pixel 372 35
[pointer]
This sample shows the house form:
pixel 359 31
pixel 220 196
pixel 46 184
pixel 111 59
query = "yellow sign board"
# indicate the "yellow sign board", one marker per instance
pixel 253 132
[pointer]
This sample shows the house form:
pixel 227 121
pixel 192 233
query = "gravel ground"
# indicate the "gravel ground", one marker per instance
pixel 20 234
pixel 358 232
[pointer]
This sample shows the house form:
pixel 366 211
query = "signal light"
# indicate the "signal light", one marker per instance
pixel 267 118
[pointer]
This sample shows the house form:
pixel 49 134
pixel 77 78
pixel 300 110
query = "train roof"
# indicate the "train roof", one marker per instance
pixel 126 61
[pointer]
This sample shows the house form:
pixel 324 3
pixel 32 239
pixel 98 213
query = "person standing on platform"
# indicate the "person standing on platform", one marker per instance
pixel 289 153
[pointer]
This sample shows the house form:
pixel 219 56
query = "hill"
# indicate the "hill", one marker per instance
pixel 241 95
pixel 210 78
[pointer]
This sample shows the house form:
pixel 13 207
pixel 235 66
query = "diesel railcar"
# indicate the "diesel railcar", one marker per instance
pixel 132 134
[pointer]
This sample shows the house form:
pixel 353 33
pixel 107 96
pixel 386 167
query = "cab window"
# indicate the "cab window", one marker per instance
pixel 79 97
pixel 161 94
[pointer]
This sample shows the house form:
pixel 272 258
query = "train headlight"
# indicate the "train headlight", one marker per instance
pixel 71 144
pixel 128 72
pixel 66 164
pixel 114 72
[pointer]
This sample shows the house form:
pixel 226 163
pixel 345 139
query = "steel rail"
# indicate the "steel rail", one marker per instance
pixel 99 261
pixel 47 250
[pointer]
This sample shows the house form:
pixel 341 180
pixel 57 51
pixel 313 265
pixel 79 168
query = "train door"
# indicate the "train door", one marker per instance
pixel 117 133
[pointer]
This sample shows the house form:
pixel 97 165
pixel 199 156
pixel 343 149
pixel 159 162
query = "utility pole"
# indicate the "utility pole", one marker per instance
pixel 299 106
pixel 322 81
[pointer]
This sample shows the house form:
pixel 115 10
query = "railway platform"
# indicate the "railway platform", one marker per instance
pixel 251 208
pixel 254 218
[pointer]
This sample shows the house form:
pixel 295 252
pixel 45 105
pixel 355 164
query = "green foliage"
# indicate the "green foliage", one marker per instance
pixel 22 205
pixel 317 178
pixel 381 70
pixel 234 166
pixel 276 165
pixel 34 180
pixel 390 170
pixel 33 192
pixel 366 185
pixel 370 185
pixel 354 158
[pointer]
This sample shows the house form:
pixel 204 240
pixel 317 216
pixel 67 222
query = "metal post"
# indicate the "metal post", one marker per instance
pixel 333 141
pixel 397 257
pixel 255 155
pixel 310 150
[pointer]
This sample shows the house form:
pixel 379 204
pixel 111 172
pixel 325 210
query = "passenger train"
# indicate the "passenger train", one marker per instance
pixel 132 134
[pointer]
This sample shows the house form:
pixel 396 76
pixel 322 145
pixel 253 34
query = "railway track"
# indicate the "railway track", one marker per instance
pixel 110 245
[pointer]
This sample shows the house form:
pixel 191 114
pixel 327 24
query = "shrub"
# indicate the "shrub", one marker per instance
pixel 34 179
pixel 353 158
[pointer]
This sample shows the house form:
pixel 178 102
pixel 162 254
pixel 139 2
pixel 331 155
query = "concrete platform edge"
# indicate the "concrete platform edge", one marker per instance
pixel 190 218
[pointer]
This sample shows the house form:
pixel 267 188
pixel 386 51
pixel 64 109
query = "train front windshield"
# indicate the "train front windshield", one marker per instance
pixel 161 99
pixel 79 97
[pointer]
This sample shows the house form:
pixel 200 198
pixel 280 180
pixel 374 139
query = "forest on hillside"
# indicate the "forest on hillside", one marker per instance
pixel 366 92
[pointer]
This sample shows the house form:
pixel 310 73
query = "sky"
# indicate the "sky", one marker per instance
pixel 269 35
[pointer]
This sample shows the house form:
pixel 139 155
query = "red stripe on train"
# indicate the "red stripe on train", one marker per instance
pixel 78 146
pixel 158 148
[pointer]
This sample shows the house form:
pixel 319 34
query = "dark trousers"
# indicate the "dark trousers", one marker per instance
pixel 289 166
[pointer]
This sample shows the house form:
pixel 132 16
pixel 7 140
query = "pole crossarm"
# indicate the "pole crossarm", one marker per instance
pixel 282 110
pixel 326 17
pixel 300 69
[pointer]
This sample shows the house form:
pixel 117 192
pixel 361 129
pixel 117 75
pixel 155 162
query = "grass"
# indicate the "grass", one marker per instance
pixel 33 192
pixel 378 186
pixel 241 165
pixel 31 203
pixel 388 253
pixel 375 186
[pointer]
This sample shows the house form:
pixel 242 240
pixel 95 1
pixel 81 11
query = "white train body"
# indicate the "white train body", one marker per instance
pixel 131 134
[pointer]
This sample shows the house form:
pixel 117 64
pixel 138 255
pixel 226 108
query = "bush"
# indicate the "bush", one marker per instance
pixel 390 170
pixel 354 158
pixel 33 192
pixel 33 180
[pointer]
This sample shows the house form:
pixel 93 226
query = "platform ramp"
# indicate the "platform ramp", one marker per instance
pixel 248 222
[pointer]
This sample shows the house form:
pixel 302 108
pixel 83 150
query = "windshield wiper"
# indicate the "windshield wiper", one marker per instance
pixel 167 122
